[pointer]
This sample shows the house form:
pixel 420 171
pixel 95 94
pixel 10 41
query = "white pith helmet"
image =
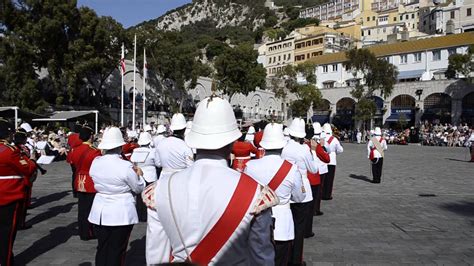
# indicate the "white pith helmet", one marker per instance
pixel 178 122
pixel 327 129
pixel 297 128
pixel 160 129
pixel 144 139
pixel 285 132
pixel 26 127
pixel 317 128
pixel 147 128
pixel 273 137
pixel 214 125
pixel 378 131
pixel 111 139
pixel 251 130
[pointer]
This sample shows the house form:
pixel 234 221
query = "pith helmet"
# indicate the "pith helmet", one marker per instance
pixel 317 128
pixel 273 137
pixel 144 139
pixel 178 122
pixel 214 125
pixel 327 129
pixel 26 127
pixel 161 129
pixel 378 131
pixel 297 128
pixel 111 139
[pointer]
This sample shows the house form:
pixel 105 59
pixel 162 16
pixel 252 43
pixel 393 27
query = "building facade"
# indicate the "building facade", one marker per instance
pixel 279 54
pixel 447 17
pixel 422 85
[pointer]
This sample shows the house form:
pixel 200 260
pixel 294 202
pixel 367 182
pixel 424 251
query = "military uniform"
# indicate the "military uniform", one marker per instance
pixel 73 141
pixel 265 171
pixel 376 157
pixel 14 168
pixel 333 146
pixel 81 159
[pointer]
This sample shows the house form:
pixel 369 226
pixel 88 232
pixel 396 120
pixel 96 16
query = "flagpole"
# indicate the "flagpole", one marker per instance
pixel 122 69
pixel 134 80
pixel 144 87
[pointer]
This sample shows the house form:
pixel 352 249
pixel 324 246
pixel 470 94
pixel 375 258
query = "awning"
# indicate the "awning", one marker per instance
pixel 64 116
pixel 16 113
pixel 411 74
pixel 395 117
pixel 322 119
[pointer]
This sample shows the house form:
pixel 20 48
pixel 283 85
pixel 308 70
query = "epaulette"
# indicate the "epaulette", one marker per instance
pixel 6 144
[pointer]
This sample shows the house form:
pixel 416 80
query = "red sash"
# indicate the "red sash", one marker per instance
pixel 220 233
pixel 330 139
pixel 280 175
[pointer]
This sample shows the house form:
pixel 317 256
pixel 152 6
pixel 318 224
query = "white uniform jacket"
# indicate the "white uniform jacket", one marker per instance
pixel 370 146
pixel 263 170
pixel 333 148
pixel 115 180
pixel 300 155
pixel 157 139
pixel 149 166
pixel 199 195
pixel 173 153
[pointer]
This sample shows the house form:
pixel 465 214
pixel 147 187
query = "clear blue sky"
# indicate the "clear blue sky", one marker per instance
pixel 132 12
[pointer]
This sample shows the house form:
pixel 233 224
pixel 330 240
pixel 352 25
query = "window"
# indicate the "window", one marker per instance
pixel 328 84
pixel 325 69
pixel 453 15
pixel 436 55
pixel 334 68
pixel 373 18
pixel 279 58
pixel 368 32
pixel 406 16
pixel 289 56
pixel 469 12
pixel 452 51
pixel 403 59
pixel 401 17
pixel 413 15
pixel 394 18
pixel 368 18
pixel 417 57
pixel 298 46
pixel 284 57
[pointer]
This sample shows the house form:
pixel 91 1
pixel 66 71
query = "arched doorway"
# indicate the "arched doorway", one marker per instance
pixel 437 108
pixel 321 112
pixel 402 113
pixel 378 117
pixel 468 108
pixel 344 111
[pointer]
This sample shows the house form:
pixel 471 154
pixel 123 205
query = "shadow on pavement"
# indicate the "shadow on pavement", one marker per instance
pixel 136 253
pixel 51 212
pixel 56 237
pixel 457 160
pixel 49 198
pixel 361 177
pixel 464 208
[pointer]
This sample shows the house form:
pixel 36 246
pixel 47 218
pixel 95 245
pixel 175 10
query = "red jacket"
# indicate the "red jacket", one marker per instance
pixel 243 149
pixel 14 167
pixel 257 138
pixel 128 148
pixel 81 158
pixel 323 156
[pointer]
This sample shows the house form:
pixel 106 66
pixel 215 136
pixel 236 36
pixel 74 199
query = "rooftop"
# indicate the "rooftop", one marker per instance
pixel 382 50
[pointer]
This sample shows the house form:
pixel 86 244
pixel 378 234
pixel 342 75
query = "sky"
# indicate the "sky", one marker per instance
pixel 132 12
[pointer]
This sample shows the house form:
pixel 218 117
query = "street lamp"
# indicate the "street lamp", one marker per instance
pixel 418 93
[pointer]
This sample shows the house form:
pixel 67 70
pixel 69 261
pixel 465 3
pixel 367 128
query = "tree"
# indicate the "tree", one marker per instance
pixel 307 94
pixel 461 64
pixel 377 75
pixel 238 71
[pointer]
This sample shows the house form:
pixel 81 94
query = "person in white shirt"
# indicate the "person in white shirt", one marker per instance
pixel 113 212
pixel 287 183
pixel 194 204
pixel 375 148
pixel 172 155
pixel 334 147
pixel 160 135
pixel 298 153
pixel 144 158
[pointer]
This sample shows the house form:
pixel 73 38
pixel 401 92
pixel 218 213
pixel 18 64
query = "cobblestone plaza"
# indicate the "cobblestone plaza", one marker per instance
pixel 421 213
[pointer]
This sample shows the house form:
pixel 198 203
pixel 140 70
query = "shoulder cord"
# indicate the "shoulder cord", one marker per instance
pixel 174 219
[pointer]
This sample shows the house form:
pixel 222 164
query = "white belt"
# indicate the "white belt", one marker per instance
pixel 284 206
pixel 11 177
pixel 242 158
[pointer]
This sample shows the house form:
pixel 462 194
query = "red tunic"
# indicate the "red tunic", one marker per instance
pixel 81 158
pixel 128 148
pixel 323 156
pixel 256 140
pixel 14 167
pixel 242 150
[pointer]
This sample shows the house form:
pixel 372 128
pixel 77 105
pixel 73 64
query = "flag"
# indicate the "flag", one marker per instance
pixel 122 60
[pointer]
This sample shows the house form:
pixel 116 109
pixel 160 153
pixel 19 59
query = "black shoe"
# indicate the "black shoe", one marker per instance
pixel 25 227
pixel 318 213
pixel 376 181
pixel 310 235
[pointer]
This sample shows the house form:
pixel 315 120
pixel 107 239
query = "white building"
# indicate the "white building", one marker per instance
pixel 279 54
pixel 447 17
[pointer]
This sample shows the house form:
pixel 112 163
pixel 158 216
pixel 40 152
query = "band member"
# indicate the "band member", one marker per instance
pixel 73 142
pixel 376 147
pixel 321 158
pixel 333 146
pixel 210 213
pixel 285 179
pixel 298 153
pixel 242 150
pixel 81 159
pixel 14 167
pixel 172 154
pixel 113 210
